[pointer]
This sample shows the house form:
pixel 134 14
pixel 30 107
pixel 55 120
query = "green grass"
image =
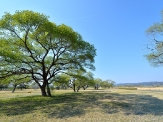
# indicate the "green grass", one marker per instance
pixel 115 105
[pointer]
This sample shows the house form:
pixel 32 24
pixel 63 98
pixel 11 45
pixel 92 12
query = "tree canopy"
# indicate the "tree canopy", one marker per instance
pixel 32 46
pixel 155 55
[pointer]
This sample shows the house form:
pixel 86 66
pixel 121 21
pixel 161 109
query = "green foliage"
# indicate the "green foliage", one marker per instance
pixel 16 79
pixel 107 84
pixel 104 84
pixel 61 81
pixel 155 55
pixel 83 78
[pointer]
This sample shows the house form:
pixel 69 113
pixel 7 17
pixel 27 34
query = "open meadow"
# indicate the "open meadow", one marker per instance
pixel 112 105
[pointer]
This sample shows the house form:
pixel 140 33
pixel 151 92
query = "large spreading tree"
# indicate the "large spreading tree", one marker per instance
pixel 33 47
pixel 155 55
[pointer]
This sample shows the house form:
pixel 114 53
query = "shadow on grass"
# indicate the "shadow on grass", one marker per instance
pixel 77 104
pixel 133 104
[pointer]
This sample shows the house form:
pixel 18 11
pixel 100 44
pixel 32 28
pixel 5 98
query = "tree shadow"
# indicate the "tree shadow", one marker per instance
pixel 76 104
pixel 131 104
pixel 59 105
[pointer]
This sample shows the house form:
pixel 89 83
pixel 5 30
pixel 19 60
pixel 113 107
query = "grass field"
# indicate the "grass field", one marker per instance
pixel 113 105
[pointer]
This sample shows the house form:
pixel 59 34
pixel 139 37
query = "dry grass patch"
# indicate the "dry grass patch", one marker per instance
pixel 151 88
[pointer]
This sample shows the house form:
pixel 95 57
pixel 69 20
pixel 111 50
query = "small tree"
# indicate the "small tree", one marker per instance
pixel 97 83
pixel 81 79
pixel 107 83
pixel 112 83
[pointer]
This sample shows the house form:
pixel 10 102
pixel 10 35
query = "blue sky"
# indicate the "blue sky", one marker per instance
pixel 115 27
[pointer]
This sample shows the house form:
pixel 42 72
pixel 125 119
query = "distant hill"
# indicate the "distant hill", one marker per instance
pixel 152 83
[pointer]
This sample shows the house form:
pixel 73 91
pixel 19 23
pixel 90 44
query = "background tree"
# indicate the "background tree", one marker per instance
pixel 90 80
pixel 16 80
pixel 23 85
pixel 81 79
pixel 3 86
pixel 34 85
pixel 112 83
pixel 97 82
pixel 155 47
pixel 61 81
pixel 107 83
pixel 34 46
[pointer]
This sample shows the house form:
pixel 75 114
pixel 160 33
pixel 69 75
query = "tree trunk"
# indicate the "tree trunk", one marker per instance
pixel 48 91
pixel 14 88
pixel 84 87
pixel 95 87
pixel 78 89
pixel 74 87
pixel 43 91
